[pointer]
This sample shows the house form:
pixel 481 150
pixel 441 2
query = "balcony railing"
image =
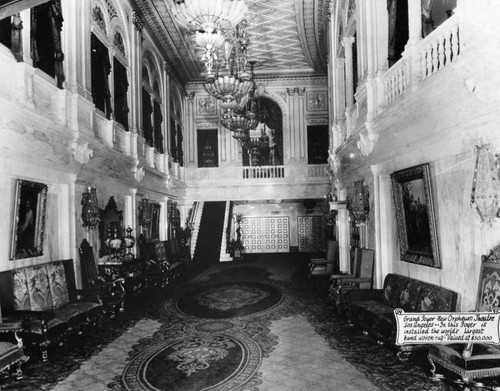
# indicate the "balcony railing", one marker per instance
pixel 428 56
pixel 263 172
pixel 440 48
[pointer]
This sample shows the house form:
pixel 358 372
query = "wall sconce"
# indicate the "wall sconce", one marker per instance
pixel 359 203
pixel 485 184
pixel 91 213
pixel 144 213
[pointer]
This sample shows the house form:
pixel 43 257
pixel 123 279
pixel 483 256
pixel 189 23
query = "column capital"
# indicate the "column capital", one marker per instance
pixel 189 96
pixel 137 20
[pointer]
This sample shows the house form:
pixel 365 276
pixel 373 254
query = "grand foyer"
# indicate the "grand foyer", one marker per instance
pixel 115 101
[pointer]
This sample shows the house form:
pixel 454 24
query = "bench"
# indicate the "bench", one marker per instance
pixel 373 309
pixel 44 298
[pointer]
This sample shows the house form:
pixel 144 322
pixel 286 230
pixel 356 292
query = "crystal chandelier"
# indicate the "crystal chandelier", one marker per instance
pixel 209 15
pixel 212 20
pixel 237 81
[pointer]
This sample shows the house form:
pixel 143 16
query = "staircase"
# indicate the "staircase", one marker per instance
pixel 208 245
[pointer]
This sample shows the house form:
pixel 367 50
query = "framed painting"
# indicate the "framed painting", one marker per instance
pixel 415 218
pixel 155 221
pixel 30 203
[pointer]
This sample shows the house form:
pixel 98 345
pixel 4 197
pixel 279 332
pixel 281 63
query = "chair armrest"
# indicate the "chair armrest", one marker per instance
pixel 365 294
pixel 10 327
pixel 320 262
pixel 355 280
pixel 341 276
pixel 28 315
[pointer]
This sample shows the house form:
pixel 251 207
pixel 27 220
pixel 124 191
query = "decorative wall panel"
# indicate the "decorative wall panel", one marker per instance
pixel 266 234
pixel 310 231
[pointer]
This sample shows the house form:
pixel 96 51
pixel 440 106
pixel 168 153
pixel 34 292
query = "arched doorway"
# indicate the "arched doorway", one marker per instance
pixel 270 123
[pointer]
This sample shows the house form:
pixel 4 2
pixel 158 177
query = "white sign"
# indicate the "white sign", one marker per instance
pixel 446 327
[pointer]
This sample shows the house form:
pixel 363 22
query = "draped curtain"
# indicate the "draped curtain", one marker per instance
pixel 101 68
pixel 427 22
pixel 46 46
pixel 158 119
pixel 121 89
pixel 392 8
pixel 147 110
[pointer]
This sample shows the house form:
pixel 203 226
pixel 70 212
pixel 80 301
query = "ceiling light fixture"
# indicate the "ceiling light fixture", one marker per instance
pixel 209 15
pixel 212 20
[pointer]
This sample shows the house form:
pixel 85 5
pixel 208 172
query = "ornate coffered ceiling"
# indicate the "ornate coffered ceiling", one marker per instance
pixel 288 37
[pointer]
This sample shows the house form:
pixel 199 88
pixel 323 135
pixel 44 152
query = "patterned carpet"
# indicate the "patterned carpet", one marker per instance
pixel 212 331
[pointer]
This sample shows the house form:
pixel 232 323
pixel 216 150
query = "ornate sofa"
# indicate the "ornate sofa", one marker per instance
pixel 44 298
pixel 373 309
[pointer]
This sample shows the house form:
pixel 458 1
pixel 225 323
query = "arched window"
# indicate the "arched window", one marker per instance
pixel 152 117
pixel 109 63
pixel 46 49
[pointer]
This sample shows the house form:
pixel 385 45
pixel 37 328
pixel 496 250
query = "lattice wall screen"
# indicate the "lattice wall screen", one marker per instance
pixel 266 234
pixel 310 229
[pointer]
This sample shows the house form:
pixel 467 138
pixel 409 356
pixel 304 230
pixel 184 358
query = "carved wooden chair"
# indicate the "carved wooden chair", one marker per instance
pixel 329 264
pixel 360 278
pixel 111 294
pixel 474 360
pixel 11 353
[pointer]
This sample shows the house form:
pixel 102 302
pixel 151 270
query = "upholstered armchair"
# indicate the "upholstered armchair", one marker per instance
pixel 329 264
pixel 360 278
pixel 11 348
pixel 474 360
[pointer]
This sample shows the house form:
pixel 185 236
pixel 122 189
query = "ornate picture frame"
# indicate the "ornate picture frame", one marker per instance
pixel 28 228
pixel 415 217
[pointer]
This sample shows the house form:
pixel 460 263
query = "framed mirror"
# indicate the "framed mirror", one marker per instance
pixel 30 203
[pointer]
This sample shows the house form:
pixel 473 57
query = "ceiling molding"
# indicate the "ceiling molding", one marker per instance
pixel 286 37
pixel 11 7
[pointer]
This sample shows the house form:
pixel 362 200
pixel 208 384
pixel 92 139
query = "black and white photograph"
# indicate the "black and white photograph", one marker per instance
pixel 249 195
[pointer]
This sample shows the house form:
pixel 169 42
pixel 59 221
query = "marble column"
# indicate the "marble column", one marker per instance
pixel 297 123
pixel 349 72
pixel 135 63
pixel 189 129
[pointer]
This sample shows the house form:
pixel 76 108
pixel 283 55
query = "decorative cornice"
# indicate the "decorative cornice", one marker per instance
pixel 334 163
pixel 296 91
pixel 169 182
pixel 207 124
pixel 317 121
pixel 139 173
pixel 82 153
pixel 189 96
pixel 367 141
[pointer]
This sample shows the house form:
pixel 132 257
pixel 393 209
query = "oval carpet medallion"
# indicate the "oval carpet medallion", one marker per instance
pixel 229 299
pixel 209 362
